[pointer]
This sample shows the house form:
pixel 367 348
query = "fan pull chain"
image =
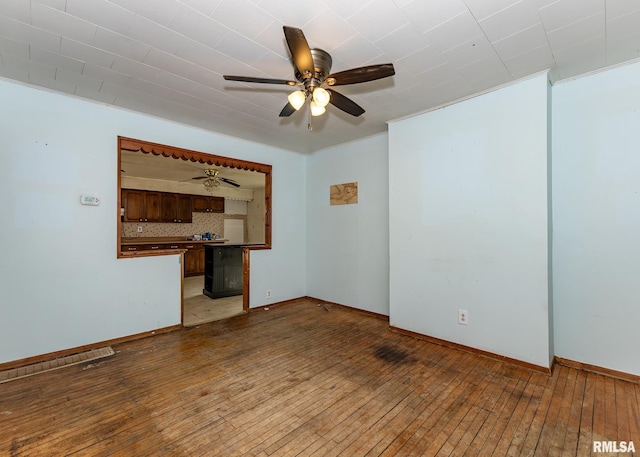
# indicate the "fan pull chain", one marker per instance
pixel 309 126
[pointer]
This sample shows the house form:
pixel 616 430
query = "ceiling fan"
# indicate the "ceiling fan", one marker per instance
pixel 213 179
pixel 311 69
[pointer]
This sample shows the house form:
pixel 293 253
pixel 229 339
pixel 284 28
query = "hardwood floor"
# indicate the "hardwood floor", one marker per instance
pixel 308 380
pixel 199 308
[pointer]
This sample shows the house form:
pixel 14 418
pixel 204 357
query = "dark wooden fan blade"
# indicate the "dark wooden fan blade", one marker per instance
pixel 344 103
pixel 299 49
pixel 200 177
pixel 287 111
pixel 251 79
pixel 229 181
pixel 361 74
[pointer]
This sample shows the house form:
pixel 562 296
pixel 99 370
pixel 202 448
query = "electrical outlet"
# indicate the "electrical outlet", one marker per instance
pixel 267 294
pixel 463 317
pixel 139 229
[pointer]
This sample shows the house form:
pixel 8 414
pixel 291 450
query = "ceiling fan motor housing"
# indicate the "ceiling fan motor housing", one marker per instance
pixel 322 67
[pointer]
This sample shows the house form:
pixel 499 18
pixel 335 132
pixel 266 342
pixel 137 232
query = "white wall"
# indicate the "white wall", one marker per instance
pixel 596 214
pixel 348 245
pixel 468 222
pixel 61 285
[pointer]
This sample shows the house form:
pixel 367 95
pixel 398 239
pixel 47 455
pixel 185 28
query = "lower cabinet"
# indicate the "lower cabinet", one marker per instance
pixel 192 264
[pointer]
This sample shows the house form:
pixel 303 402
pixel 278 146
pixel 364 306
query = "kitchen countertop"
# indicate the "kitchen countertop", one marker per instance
pixel 128 241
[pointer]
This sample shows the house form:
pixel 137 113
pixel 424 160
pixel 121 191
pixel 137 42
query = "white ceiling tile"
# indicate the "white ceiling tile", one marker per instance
pixel 153 34
pixel 422 60
pixel 482 9
pixel 621 50
pixel 564 12
pixel 356 51
pixel 617 8
pixel 622 26
pixel 55 21
pixel 160 11
pixel 345 9
pixel 101 13
pixel 581 58
pixel 396 44
pixel 197 26
pixel 291 13
pixel 379 18
pixel 429 14
pixel 530 62
pixel 205 7
pixel 20 11
pixel 327 31
pixel 488 81
pixel 577 32
pixel 56 60
pixel 105 74
pixel 243 17
pixel 79 80
pixel 436 76
pixel 43 80
pixel 120 45
pixel 482 69
pixel 29 66
pixel 135 69
pixel 238 47
pixel 14 48
pixel 454 32
pixel 272 38
pixel 57 4
pixel 177 83
pixel 195 71
pixel 519 16
pixel 521 42
pixel 24 33
pixel 476 50
pixel 86 53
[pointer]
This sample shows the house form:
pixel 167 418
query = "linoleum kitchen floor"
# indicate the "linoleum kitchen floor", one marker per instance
pixel 199 308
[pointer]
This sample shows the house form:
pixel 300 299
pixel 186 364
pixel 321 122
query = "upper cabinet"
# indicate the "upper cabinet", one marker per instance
pixel 141 206
pixel 176 208
pixel 151 206
pixel 204 204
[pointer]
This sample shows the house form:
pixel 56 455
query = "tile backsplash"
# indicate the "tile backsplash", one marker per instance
pixel 202 223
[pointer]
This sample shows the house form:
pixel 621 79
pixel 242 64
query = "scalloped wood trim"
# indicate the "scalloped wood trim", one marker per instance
pixel 130 144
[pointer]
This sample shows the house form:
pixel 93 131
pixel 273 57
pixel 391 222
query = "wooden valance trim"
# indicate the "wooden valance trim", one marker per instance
pixel 130 144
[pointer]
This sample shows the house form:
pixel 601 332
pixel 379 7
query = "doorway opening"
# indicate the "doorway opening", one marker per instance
pixel 168 204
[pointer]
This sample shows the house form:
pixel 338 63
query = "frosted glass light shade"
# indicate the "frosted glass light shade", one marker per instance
pixel 296 99
pixel 321 96
pixel 316 110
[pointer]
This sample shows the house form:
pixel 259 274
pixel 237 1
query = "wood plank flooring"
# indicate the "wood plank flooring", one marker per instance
pixel 307 380
pixel 199 308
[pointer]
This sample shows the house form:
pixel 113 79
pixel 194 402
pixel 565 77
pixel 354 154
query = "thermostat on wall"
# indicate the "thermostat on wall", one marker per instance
pixel 89 200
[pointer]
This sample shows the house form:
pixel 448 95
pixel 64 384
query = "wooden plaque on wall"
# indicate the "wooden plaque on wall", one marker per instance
pixel 344 194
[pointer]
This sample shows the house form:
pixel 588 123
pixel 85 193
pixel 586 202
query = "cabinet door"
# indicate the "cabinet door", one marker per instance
pixel 217 204
pixel 169 208
pixel 184 212
pixel 190 262
pixel 200 203
pixel 200 251
pixel 133 201
pixel 153 206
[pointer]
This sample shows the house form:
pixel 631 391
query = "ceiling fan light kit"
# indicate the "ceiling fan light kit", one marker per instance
pixel 311 70
pixel 297 99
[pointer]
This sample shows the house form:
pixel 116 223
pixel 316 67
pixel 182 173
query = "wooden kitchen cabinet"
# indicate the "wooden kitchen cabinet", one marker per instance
pixel 176 208
pixel 141 206
pixel 204 204
pixel 193 260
